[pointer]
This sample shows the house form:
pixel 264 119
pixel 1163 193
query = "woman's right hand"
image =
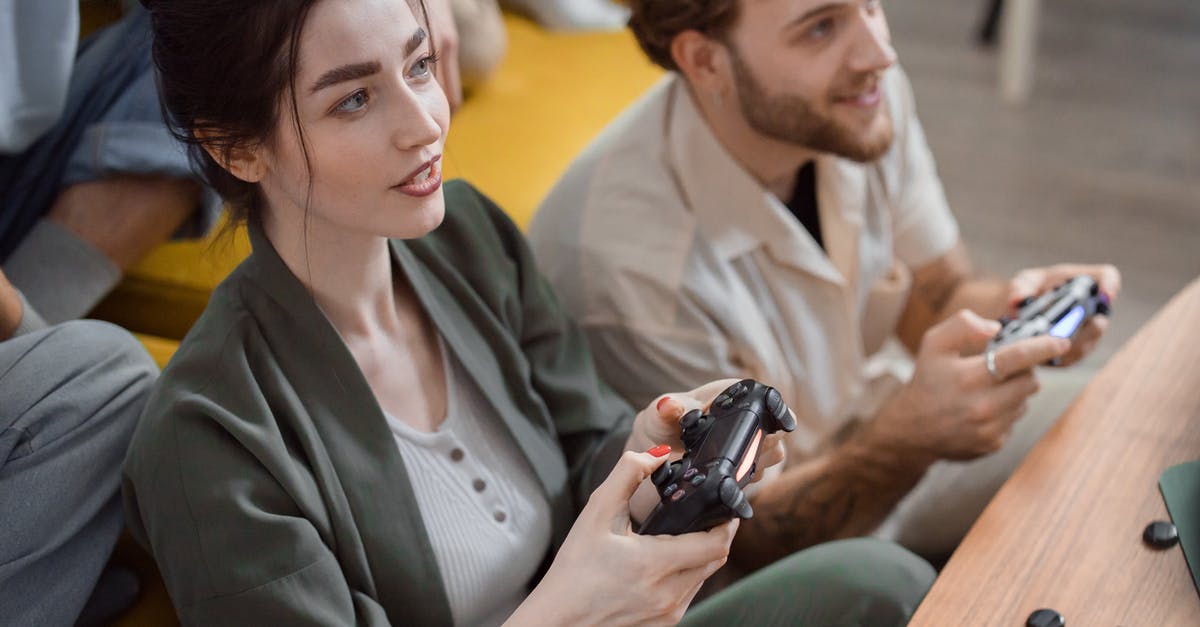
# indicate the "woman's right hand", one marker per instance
pixel 605 574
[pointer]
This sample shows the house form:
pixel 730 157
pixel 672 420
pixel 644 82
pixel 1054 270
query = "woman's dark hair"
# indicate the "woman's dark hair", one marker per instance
pixel 223 69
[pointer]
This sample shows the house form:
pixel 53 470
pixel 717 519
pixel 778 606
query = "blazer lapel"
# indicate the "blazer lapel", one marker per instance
pixel 404 573
pixel 464 335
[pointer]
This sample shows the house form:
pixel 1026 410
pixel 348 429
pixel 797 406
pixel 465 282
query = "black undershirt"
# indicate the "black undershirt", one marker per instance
pixel 803 204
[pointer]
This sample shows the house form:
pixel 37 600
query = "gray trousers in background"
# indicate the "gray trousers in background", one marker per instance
pixel 70 396
pixel 936 515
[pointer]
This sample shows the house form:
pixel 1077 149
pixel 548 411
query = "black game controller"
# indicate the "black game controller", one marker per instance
pixel 1061 312
pixel 704 489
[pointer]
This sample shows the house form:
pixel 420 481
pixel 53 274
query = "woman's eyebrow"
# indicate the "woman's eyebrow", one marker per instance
pixel 355 71
pixel 350 72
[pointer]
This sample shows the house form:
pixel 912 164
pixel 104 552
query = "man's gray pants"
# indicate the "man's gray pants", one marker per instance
pixel 70 396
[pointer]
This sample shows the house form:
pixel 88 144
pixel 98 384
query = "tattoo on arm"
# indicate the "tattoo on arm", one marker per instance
pixel 844 494
pixel 938 293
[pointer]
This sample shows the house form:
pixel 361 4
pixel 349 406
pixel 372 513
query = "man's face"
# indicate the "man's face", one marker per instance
pixel 808 73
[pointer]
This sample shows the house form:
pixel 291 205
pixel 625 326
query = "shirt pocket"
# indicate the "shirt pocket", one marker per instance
pixel 885 304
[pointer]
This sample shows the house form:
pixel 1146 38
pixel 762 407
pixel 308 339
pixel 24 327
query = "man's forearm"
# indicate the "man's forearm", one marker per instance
pixel 944 287
pixel 845 493
pixel 986 296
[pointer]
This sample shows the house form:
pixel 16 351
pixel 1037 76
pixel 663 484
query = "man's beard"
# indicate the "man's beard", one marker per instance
pixel 791 119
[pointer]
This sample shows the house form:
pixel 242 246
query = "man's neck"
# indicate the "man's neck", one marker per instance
pixel 771 162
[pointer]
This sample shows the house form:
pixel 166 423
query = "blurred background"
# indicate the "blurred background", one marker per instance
pixel 1103 161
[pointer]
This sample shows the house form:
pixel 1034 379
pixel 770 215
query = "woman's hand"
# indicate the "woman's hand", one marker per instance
pixel 605 574
pixel 659 423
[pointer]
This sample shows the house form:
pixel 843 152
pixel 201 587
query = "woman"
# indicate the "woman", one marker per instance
pixel 383 416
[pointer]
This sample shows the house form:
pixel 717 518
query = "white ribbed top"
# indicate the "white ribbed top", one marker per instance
pixel 483 508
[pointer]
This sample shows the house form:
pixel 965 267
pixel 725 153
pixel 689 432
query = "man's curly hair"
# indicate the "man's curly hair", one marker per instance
pixel 655 23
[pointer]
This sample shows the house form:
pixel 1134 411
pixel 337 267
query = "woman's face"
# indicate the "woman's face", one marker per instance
pixel 374 119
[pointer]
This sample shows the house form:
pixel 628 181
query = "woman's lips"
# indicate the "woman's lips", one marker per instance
pixel 426 181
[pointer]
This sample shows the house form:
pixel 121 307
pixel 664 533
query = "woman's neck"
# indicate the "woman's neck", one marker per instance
pixel 349 273
pixel 380 319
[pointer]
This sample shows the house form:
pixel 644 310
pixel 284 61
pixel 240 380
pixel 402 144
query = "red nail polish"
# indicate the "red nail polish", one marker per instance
pixel 658 406
pixel 660 450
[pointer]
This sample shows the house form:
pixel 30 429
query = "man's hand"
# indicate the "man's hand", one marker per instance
pixel 10 308
pixel 1035 281
pixel 445 43
pixel 953 408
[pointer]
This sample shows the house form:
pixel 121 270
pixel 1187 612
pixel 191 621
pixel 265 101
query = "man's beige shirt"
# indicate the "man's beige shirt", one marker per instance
pixel 682 268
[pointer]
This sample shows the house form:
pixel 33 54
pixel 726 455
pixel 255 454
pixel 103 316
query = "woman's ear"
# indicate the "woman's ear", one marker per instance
pixel 247 164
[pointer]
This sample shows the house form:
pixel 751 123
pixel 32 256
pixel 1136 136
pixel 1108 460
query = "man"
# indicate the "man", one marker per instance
pixel 771 210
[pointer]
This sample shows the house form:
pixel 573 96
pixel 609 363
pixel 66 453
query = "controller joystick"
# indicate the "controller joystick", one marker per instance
pixel 721 449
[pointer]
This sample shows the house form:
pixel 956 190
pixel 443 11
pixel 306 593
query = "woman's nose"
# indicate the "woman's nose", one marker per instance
pixel 420 121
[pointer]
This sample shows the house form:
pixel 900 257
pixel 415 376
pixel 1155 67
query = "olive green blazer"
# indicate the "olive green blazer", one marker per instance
pixel 263 476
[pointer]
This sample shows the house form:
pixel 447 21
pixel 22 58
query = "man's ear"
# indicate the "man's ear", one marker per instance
pixel 247 164
pixel 704 61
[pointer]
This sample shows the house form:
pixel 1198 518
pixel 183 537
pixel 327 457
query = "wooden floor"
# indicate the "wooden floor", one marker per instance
pixel 1102 164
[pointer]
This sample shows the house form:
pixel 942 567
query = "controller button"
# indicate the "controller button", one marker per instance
pixel 724 402
pixel 698 479
pixel 732 497
pixel 690 419
pixel 691 472
pixel 661 474
pixel 669 490
pixel 736 391
pixel 678 495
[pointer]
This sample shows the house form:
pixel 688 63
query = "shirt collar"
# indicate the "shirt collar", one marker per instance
pixel 734 211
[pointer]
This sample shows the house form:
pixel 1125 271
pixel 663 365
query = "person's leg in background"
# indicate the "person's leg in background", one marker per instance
pixel 95 231
pixel 935 516
pixel 70 396
pixel 482 40
pixel 850 582
pixel 103 187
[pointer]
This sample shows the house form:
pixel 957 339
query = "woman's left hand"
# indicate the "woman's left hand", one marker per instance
pixel 658 424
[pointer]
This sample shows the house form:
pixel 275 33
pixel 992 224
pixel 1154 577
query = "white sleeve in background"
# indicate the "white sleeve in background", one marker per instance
pixel 38 39
pixel 925 229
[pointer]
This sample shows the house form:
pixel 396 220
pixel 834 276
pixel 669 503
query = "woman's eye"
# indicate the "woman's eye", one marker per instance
pixel 353 103
pixel 423 68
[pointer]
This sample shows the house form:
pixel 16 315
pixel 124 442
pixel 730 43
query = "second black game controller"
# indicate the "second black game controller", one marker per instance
pixel 704 488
